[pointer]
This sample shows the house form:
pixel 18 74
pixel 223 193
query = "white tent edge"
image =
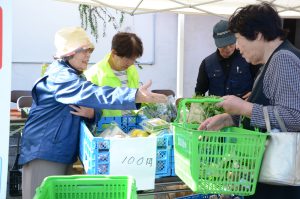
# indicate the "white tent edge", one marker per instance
pixel 222 8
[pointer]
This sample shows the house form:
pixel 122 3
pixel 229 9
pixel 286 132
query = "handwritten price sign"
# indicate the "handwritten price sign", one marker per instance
pixel 135 157
pixel 138 161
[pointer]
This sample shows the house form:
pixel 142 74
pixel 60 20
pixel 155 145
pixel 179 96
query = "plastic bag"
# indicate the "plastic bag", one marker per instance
pixel 154 125
pixel 113 130
pixel 198 112
pixel 138 133
pixel 166 111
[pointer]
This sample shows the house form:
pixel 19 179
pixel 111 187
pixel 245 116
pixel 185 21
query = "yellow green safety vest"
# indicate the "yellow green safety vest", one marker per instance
pixel 102 74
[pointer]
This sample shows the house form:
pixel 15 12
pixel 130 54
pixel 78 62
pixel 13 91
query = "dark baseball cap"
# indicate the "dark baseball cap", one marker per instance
pixel 223 37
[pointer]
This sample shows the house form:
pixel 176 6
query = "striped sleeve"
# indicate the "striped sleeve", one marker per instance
pixel 282 88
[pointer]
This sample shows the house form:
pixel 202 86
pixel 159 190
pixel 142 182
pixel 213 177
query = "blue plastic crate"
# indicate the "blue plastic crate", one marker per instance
pixel 165 140
pixel 93 152
pixel 164 144
pixel 126 123
pixel 198 196
pixel 172 163
pixel 95 156
pixel 162 163
pixel 202 196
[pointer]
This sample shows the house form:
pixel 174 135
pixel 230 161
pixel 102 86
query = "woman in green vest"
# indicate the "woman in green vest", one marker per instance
pixel 117 68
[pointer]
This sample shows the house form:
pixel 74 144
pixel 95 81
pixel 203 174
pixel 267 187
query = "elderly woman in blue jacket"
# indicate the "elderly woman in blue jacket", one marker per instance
pixel 61 99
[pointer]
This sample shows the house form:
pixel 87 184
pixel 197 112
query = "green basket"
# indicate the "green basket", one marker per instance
pixel 87 187
pixel 217 162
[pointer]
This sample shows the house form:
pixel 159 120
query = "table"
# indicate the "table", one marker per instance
pixel 167 185
pixel 16 126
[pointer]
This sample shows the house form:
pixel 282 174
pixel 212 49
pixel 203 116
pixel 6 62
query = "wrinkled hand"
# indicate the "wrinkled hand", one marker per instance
pixel 83 111
pixel 236 106
pixel 143 95
pixel 246 96
pixel 216 122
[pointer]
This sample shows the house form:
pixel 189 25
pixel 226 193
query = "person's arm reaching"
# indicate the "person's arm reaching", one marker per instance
pixel 216 122
pixel 144 95
pixel 79 92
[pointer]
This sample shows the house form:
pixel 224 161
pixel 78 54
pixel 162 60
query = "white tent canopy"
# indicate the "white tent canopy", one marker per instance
pixel 286 8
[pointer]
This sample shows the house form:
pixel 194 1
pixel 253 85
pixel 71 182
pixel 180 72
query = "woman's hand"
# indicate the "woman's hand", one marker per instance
pixel 83 111
pixel 216 122
pixel 143 95
pixel 236 106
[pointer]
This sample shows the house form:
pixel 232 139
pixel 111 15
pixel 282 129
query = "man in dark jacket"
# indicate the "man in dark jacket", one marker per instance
pixel 225 72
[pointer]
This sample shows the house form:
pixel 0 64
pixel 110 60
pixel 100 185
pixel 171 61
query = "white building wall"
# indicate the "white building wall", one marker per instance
pixel 41 19
pixel 199 43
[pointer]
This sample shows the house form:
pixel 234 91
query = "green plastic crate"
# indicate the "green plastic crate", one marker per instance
pixel 217 162
pixel 87 187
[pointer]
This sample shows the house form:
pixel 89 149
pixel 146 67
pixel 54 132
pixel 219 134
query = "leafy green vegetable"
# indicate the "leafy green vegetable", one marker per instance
pixel 198 112
pixel 166 111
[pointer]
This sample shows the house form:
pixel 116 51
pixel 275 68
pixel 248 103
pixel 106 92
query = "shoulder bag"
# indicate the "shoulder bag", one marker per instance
pixel 281 162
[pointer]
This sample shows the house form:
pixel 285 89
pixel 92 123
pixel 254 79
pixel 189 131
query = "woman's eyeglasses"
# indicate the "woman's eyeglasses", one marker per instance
pixel 82 50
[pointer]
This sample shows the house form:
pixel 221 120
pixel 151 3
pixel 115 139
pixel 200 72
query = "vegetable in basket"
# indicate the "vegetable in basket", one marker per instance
pixel 224 164
pixel 198 112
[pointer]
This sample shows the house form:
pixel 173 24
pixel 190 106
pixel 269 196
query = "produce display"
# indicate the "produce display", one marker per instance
pixel 198 112
pixel 154 125
pixel 138 133
pixel 225 166
pixel 166 111
pixel 215 162
pixel 113 130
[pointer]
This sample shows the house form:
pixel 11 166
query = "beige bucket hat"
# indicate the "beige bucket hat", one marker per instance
pixel 69 40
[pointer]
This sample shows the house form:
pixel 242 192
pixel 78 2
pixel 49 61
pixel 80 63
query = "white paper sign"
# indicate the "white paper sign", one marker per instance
pixel 135 157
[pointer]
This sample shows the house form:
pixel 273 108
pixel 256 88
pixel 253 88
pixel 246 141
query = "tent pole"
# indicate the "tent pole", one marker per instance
pixel 180 56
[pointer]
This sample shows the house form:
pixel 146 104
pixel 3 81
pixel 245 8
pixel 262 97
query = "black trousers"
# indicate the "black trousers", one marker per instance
pixel 265 191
